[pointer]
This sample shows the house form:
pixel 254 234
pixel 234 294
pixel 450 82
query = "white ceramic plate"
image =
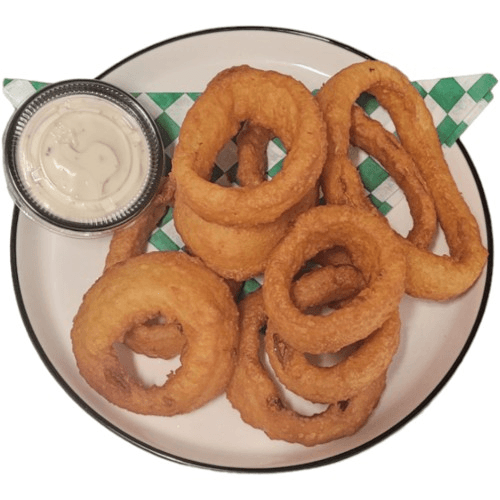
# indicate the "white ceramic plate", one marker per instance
pixel 52 272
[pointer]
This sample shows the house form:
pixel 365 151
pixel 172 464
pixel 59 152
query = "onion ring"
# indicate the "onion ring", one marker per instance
pixel 328 384
pixel 156 339
pixel 373 248
pixel 260 403
pixel 367 363
pixel 271 100
pixel 133 291
pixel 324 285
pixel 252 142
pixel 431 276
pixel 239 252
pixel 374 139
pixel 132 239
pixel 370 136
pixel 235 252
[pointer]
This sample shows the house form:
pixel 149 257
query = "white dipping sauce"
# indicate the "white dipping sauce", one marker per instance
pixel 83 158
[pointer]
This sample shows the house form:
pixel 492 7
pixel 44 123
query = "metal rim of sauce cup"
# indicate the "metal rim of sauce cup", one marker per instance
pixel 21 195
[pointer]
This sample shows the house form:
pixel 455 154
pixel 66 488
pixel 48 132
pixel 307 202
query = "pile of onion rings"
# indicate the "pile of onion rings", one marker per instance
pixel 334 271
pixel 428 275
pixel 233 229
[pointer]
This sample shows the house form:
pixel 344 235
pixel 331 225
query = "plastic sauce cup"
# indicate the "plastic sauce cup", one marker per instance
pixel 82 157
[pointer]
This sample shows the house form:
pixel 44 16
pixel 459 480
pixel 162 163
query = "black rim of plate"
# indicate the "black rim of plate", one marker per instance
pixel 307 465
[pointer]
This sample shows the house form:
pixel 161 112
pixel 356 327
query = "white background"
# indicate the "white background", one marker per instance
pixel 54 448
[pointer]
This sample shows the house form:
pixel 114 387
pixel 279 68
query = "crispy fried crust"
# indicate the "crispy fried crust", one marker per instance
pixel 165 303
pixel 158 338
pixel 138 289
pixel 373 249
pixel 346 374
pixel 270 100
pixel 235 252
pixel 353 371
pixel 375 140
pixel 252 142
pixel 239 252
pixel 429 276
pixel 260 402
pixel 132 240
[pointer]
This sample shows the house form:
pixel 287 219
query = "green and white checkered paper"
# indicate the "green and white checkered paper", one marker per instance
pixel 453 102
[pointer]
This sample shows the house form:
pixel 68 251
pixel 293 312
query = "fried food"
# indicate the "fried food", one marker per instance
pixel 431 276
pixel 235 252
pixel 334 273
pixel 260 402
pixel 363 365
pixel 328 284
pixel 252 142
pixel 134 291
pixel 373 249
pixel 346 373
pixel 239 252
pixel 132 239
pixel 375 140
pixel 370 136
pixel 270 100
pixel 157 338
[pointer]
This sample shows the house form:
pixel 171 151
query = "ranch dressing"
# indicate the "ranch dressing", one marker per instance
pixel 83 158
